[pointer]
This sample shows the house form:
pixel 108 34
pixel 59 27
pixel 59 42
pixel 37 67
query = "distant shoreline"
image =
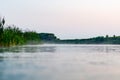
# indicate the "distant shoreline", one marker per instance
pixel 51 38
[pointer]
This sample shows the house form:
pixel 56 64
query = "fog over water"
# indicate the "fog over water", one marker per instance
pixel 60 62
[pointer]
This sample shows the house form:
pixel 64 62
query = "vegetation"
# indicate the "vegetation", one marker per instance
pixel 95 40
pixel 51 38
pixel 31 37
pixel 11 35
pixel 48 37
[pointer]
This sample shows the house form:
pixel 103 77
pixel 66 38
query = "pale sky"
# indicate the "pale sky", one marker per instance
pixel 65 18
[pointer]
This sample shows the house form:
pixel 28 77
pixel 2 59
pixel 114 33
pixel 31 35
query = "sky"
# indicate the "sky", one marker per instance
pixel 67 19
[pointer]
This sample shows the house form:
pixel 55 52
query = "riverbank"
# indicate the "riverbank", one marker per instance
pixel 95 40
pixel 12 35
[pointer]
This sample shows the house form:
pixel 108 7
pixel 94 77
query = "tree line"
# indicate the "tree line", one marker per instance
pixel 94 40
pixel 12 35
pixel 51 38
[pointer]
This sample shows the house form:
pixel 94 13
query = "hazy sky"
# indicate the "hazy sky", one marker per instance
pixel 65 18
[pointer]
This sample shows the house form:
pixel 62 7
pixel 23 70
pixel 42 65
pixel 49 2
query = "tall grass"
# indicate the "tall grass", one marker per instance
pixel 12 35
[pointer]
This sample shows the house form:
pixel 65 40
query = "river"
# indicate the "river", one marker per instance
pixel 60 62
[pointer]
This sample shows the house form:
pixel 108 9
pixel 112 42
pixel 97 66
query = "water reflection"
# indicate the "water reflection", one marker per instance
pixel 60 62
pixel 1 58
pixel 39 49
pixel 100 48
pixel 28 49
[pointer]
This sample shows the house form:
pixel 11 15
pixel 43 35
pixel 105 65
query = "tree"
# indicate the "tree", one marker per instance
pixel 2 22
pixel 47 37
pixel 107 36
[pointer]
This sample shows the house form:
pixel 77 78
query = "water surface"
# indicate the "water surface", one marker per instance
pixel 60 62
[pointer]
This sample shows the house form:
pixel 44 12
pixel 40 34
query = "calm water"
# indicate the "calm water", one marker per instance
pixel 60 62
